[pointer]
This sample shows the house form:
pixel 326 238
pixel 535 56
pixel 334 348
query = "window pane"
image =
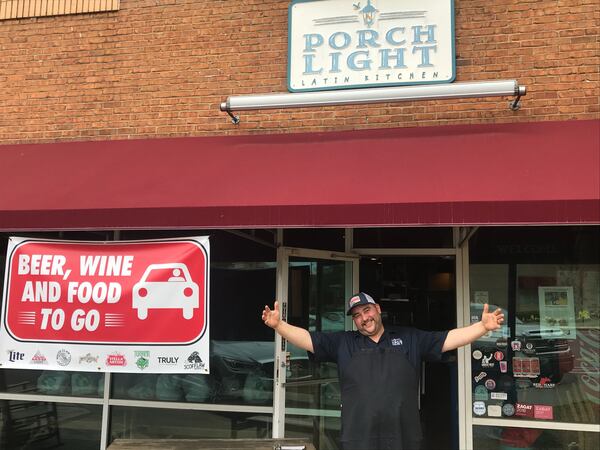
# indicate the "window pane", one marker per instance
pixel 144 423
pixel 317 292
pixel 557 315
pixel 242 281
pixel 544 363
pixel 403 237
pixel 320 238
pixel 46 382
pixel 39 425
pixel 52 382
pixel 509 438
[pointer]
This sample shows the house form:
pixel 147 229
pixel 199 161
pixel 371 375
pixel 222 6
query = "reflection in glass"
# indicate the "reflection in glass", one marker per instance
pixel 152 423
pixel 316 302
pixel 403 237
pixel 510 438
pixel 315 238
pixel 241 373
pixel 241 346
pixel 52 382
pixel 317 293
pixel 29 425
pixel 545 364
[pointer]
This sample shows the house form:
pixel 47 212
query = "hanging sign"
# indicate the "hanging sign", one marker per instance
pixel 341 44
pixel 117 306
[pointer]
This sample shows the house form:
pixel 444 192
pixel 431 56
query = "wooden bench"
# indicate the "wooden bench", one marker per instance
pixel 210 444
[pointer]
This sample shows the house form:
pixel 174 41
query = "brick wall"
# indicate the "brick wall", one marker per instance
pixel 161 68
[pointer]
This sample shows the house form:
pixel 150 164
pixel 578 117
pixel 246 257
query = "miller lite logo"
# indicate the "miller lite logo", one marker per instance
pixel 14 356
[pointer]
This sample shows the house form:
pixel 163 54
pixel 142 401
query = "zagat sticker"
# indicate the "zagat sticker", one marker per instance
pixel 542 412
pixel 498 356
pixel 523 410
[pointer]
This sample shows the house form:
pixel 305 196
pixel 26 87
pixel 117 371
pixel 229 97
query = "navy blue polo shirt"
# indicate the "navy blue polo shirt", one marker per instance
pixel 417 345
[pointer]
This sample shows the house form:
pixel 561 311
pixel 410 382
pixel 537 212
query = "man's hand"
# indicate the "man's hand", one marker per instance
pixel 270 316
pixel 458 337
pixel 491 320
pixel 295 335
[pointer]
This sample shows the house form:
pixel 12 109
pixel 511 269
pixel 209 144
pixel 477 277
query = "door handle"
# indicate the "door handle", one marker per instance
pixel 422 378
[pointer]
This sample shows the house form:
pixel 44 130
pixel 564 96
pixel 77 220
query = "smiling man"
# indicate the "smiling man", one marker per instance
pixel 378 370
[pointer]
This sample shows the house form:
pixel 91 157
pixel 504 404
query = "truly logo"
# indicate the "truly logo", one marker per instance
pixel 14 356
pixel 168 360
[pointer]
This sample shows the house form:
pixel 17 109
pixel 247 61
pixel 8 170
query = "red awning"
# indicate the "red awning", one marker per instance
pixel 519 173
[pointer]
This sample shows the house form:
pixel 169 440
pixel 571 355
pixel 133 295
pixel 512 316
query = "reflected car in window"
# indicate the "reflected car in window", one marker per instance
pixel 243 370
pixel 550 344
pixel 329 321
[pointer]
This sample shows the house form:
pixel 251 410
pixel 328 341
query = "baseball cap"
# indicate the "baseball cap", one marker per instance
pixel 359 299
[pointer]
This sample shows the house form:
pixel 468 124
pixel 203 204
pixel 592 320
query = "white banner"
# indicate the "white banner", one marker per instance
pixel 114 306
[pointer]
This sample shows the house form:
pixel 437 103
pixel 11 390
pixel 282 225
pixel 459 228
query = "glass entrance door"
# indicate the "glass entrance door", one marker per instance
pixel 312 291
pixel 420 292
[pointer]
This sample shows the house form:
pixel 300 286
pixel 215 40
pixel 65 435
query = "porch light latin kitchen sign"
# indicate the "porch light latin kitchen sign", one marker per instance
pixel 339 44
pixel 113 306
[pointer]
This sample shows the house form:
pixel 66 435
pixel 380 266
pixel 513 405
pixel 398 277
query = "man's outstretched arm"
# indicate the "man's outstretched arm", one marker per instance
pixel 296 335
pixel 458 337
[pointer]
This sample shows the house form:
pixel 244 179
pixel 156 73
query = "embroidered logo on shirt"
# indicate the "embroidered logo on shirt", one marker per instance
pixel 396 341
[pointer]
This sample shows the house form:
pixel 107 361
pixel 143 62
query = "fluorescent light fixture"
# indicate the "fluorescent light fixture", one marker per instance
pixel 499 88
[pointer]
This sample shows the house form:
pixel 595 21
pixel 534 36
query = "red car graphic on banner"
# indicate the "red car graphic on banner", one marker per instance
pixel 177 291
